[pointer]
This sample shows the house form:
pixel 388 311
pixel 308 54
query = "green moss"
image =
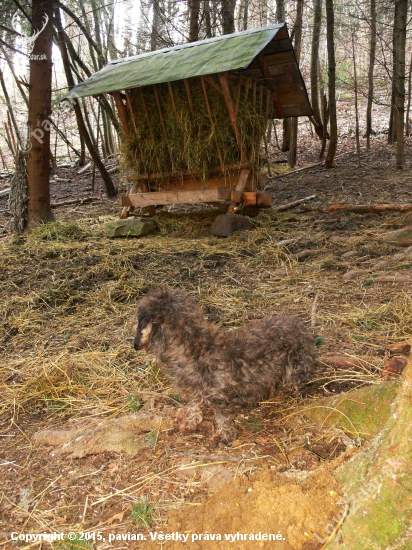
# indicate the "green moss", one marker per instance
pixel 360 412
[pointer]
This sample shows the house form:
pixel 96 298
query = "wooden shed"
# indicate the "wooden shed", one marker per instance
pixel 195 116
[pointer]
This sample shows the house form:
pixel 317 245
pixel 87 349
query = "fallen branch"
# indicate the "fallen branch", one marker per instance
pixel 342 362
pixel 291 205
pixel 360 208
pixel 74 201
pixel 5 191
pixel 320 163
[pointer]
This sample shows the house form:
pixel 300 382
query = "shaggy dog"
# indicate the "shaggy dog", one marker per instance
pixel 226 370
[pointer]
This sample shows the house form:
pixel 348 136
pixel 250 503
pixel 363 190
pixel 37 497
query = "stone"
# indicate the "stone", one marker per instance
pixel 401 237
pixel 131 227
pixel 226 224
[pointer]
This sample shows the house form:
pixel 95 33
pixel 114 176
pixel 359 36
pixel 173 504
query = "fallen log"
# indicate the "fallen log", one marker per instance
pixel 74 201
pixel 360 208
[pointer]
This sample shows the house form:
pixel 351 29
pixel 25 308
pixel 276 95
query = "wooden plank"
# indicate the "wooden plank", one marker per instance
pixel 264 200
pixel 276 46
pixel 269 80
pixel 189 173
pixel 224 83
pixel 224 180
pixel 273 59
pixel 297 109
pixel 177 197
pixel 249 198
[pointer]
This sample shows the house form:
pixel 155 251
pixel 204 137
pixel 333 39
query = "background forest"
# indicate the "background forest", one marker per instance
pixel 354 55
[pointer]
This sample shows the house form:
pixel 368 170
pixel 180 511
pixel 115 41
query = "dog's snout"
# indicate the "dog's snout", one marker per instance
pixel 136 345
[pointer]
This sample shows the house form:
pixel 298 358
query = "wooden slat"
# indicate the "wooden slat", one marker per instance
pixel 232 115
pixel 228 180
pixel 177 197
pixel 121 109
pixel 269 81
pixel 244 179
pixel 189 173
pixel 189 96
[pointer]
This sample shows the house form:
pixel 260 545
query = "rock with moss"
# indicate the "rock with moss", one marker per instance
pixel 131 227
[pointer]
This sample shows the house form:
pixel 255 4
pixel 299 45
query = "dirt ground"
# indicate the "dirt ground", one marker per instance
pixel 67 303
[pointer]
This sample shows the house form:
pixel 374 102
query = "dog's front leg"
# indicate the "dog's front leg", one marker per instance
pixel 225 427
pixel 189 417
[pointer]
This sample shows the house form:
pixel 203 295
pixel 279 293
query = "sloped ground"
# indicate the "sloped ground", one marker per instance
pixel 67 303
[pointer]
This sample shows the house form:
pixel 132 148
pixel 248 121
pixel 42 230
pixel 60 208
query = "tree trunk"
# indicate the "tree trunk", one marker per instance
pixel 372 56
pixel 399 78
pixel 333 141
pixel 392 132
pixel 110 189
pixel 355 87
pixel 314 65
pixel 297 34
pixel 228 16
pixel 208 19
pixel 156 26
pixel 194 9
pixel 38 161
pixel 280 11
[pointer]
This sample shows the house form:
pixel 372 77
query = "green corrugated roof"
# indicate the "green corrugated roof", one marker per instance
pixel 215 55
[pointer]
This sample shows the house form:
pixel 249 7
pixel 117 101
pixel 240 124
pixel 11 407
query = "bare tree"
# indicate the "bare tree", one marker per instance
pixel 333 141
pixel 399 78
pixel 228 16
pixel 314 66
pixel 372 58
pixel 194 9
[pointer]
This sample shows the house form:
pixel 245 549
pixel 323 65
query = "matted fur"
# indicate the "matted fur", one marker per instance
pixel 228 371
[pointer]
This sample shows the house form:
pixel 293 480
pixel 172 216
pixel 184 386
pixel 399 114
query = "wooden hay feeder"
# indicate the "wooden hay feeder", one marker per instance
pixel 195 116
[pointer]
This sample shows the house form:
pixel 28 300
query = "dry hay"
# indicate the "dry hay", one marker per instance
pixel 68 300
pixel 178 140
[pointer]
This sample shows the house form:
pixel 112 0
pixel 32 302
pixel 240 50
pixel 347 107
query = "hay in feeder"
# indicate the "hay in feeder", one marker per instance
pixel 171 129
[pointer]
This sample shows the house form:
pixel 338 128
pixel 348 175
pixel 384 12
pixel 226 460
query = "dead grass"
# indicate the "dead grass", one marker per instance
pixel 67 307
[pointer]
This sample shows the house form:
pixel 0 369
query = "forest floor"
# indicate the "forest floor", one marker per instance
pixel 68 297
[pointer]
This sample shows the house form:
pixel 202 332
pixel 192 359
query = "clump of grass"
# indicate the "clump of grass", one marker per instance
pixel 63 231
pixel 76 543
pixel 142 514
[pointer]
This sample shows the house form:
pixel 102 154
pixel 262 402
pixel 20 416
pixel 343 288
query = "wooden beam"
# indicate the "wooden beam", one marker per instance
pixel 212 124
pixel 189 96
pixel 240 187
pixel 121 109
pixel 190 173
pixel 232 114
pixel 216 194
